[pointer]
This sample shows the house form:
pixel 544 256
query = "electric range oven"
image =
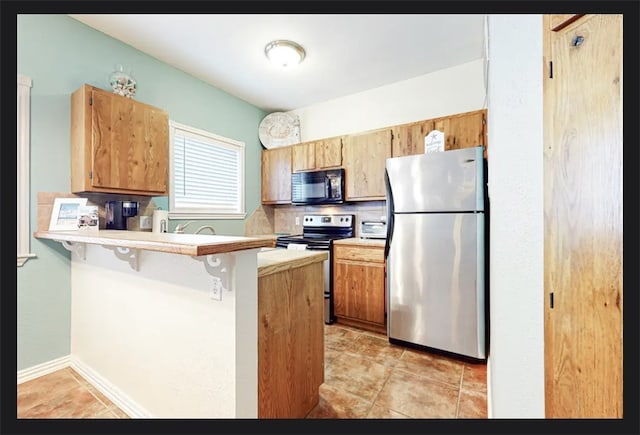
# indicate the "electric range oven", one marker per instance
pixel 318 234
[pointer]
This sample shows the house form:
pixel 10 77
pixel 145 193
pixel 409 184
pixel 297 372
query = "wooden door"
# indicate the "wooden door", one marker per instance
pixel 276 176
pixel 329 153
pixel 129 143
pixel 408 139
pixel 303 156
pixel 583 218
pixel 364 157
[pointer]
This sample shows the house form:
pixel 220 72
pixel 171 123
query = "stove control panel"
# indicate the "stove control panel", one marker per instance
pixel 330 220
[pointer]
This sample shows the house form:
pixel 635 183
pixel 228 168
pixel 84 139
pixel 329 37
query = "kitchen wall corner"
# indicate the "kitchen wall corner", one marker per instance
pixel 260 222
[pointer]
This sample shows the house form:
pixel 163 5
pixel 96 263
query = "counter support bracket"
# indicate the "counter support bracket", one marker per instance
pixel 219 267
pixel 132 256
pixel 77 247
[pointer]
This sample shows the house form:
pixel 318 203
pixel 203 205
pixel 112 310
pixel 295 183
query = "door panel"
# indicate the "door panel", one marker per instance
pixel 583 220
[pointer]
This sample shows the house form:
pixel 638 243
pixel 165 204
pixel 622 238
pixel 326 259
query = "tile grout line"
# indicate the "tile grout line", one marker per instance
pixel 107 407
pixel 373 402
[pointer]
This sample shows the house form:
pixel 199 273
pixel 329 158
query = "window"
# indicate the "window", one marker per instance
pixel 207 175
pixel 24 103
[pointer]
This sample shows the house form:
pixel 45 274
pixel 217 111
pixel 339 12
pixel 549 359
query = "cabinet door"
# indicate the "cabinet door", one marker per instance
pixel 303 156
pixel 364 159
pixel 464 130
pixel 328 153
pixel 358 291
pixel 583 243
pixel 408 139
pixel 129 144
pixel 276 176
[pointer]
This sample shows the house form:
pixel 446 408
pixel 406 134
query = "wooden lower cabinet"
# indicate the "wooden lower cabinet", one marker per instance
pixel 359 287
pixel 290 341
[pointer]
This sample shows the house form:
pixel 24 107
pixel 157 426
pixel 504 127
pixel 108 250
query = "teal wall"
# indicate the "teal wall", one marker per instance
pixel 60 54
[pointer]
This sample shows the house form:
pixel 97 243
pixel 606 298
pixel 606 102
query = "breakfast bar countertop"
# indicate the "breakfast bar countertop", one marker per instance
pixel 186 244
pixel 275 260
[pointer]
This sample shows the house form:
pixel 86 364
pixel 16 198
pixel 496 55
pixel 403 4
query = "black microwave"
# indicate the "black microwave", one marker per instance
pixel 317 187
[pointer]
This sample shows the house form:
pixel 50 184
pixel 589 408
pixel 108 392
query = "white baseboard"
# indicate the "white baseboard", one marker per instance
pixel 43 369
pixel 113 393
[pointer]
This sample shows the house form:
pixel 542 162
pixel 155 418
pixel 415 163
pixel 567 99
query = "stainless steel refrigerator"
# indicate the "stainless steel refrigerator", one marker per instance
pixel 435 251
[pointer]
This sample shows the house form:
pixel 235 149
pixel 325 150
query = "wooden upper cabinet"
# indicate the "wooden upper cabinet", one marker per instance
pixel 303 156
pixel 408 139
pixel 328 153
pixel 276 175
pixel 319 154
pixel 464 130
pixel 118 145
pixel 364 159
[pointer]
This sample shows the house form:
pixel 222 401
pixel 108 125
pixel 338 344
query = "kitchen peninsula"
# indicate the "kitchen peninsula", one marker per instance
pixel 179 325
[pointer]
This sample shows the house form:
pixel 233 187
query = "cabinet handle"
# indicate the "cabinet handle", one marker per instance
pixel 551 300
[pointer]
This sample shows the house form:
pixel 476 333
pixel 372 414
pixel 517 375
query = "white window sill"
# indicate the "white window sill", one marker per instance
pixel 24 257
pixel 197 216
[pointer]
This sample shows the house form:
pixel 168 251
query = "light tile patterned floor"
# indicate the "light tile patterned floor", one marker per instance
pixel 368 377
pixel 365 377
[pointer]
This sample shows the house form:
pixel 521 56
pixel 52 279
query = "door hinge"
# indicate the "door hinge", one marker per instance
pixel 90 174
pixel 551 300
pixel 550 69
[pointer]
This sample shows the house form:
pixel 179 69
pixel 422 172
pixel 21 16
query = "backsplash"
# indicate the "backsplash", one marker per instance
pixel 285 215
pixel 46 200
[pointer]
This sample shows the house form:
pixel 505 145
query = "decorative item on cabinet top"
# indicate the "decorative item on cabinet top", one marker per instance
pixel 279 129
pixel 122 83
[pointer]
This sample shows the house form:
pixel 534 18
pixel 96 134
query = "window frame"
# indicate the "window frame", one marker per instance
pixel 23 221
pixel 186 213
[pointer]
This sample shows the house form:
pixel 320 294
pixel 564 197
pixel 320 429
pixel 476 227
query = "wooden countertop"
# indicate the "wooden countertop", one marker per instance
pixel 279 259
pixel 186 244
pixel 356 241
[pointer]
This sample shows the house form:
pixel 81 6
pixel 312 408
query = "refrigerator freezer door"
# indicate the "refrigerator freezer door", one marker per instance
pixel 436 282
pixel 435 182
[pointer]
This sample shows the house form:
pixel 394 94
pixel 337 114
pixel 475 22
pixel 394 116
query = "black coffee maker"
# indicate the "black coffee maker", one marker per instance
pixel 117 212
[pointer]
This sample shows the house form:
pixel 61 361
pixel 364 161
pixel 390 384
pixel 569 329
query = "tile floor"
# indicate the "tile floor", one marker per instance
pixel 365 377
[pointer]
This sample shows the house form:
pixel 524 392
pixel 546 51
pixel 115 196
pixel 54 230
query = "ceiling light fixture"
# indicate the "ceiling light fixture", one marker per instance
pixel 284 53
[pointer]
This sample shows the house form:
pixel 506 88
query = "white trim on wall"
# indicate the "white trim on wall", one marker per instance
pixel 113 393
pixel 43 369
pixel 23 191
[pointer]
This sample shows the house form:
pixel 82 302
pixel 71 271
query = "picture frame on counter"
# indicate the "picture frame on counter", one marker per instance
pixel 88 219
pixel 64 215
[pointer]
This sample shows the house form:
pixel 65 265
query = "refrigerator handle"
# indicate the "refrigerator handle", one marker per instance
pixel 387 185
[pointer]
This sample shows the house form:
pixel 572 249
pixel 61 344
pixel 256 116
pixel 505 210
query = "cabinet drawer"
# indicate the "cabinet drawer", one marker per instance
pixel 357 253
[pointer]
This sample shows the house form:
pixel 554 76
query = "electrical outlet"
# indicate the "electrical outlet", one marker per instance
pixel 216 289
pixel 145 222
pixel 297 220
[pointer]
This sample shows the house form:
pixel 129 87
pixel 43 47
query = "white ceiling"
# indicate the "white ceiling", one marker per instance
pixel 346 54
